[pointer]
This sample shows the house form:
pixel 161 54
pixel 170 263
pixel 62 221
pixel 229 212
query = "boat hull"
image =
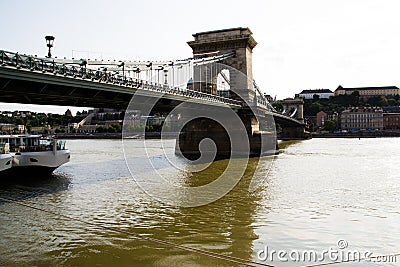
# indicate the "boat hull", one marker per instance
pixel 47 159
pixel 32 154
pixel 28 171
pixel 5 162
pixel 43 163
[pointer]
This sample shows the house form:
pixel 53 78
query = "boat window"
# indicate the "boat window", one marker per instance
pixel 14 141
pixel 60 145
pixel 32 142
pixel 45 142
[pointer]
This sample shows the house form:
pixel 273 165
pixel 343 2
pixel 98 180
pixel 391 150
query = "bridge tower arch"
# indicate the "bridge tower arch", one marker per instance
pixel 214 43
pixel 294 105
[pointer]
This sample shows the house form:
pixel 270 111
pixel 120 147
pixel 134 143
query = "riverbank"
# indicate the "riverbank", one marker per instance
pixel 157 135
pixel 89 136
pixel 148 135
pixel 363 134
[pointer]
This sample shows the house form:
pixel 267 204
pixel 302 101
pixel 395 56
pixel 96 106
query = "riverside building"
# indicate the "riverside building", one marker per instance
pixel 367 92
pixel 362 118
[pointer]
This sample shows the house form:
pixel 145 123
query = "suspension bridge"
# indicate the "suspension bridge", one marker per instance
pixel 206 79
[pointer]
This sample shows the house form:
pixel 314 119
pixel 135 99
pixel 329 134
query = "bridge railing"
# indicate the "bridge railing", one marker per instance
pixel 261 100
pixel 50 66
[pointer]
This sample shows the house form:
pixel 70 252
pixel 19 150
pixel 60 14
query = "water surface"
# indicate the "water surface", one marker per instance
pixel 316 192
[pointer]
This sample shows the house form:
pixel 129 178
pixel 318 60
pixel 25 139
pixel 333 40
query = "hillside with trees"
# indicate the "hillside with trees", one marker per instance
pixel 33 119
pixel 340 102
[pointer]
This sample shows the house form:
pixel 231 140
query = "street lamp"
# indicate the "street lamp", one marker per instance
pixel 166 76
pixel 158 73
pixel 122 64
pixel 49 41
pixel 83 64
pixel 150 66
pixel 137 71
pixel 172 65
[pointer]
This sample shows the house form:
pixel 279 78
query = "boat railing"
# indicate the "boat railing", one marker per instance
pixel 31 148
pixel 40 148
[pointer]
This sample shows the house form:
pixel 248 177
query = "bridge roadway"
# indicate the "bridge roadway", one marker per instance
pixel 31 80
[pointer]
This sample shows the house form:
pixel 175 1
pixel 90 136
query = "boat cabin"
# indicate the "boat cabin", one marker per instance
pixel 32 143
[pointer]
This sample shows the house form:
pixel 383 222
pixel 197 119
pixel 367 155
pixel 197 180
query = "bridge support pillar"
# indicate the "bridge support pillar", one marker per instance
pixel 260 143
pixel 293 133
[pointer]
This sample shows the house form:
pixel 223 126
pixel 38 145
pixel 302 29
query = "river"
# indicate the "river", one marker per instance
pixel 319 194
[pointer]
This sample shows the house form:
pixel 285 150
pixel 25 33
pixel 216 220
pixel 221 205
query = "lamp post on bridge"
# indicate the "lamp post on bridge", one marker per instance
pixel 172 65
pixel 137 71
pixel 158 73
pixel 49 41
pixel 83 64
pixel 165 76
pixel 150 66
pixel 105 74
pixel 122 64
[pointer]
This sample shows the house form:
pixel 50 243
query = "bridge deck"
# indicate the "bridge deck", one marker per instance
pixel 32 80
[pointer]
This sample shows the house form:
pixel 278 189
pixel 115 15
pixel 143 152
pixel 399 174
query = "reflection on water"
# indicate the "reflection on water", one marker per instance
pixel 20 188
pixel 318 191
pixel 100 190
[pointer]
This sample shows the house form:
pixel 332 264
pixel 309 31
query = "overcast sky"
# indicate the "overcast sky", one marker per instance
pixel 303 44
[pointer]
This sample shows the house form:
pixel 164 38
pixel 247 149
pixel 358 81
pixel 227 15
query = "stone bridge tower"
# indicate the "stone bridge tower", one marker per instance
pixel 240 43
pixel 238 40
pixel 296 104
pixel 293 107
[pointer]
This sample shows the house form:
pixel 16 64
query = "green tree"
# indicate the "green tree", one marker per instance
pixel 392 102
pixel 108 116
pixel 330 126
pixel 312 109
pixel 19 121
pixel 278 106
pixel 100 129
pixel 117 127
pixel 111 129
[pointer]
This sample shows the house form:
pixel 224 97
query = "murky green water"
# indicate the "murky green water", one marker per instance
pixel 317 192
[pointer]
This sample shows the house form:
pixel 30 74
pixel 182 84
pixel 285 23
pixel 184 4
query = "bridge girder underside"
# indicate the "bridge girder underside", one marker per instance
pixel 14 90
pixel 28 92
pixel 31 92
pixel 284 121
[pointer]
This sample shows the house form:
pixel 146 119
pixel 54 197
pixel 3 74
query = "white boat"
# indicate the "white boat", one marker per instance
pixel 33 154
pixel 5 157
